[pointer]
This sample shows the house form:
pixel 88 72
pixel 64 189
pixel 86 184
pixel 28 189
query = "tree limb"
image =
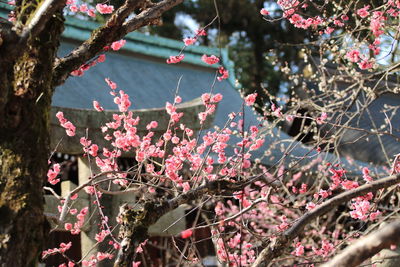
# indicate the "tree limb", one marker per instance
pixel 114 29
pixel 149 15
pixel 275 249
pixel 40 18
pixel 135 222
pixel 367 246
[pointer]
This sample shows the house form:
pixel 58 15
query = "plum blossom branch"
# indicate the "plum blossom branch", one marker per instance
pixel 275 249
pixel 367 246
pixel 113 30
pixel 64 210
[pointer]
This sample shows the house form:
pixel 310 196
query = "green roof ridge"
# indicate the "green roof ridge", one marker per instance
pixel 145 44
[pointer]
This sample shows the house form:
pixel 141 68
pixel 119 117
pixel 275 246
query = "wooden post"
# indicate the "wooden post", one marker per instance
pixel 87 236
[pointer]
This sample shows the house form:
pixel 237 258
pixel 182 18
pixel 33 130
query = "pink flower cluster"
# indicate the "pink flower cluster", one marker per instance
pixel 96 106
pixel 210 59
pixel 122 101
pixel 363 12
pixel 102 235
pixel 80 71
pixel 95 259
pixel 105 9
pixel 88 147
pixel 53 173
pixel 117 45
pixel 63 248
pixel 175 59
pixel 209 101
pixel 189 41
pixel 186 233
pixel 74 7
pixel 264 12
pixel 69 127
pixel 224 74
pixel 250 99
pixel 76 229
pixel 110 83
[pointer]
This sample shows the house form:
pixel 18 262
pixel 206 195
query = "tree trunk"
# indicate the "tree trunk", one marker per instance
pixel 25 100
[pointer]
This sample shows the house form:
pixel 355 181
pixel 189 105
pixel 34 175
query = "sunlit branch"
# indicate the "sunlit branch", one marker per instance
pixel 275 248
pixel 367 246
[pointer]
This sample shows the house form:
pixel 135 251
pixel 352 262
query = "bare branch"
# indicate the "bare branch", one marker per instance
pixel 149 15
pixel 367 246
pixel 114 29
pixel 275 249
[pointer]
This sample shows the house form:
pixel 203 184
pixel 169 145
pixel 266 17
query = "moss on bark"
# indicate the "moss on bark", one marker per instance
pixel 24 147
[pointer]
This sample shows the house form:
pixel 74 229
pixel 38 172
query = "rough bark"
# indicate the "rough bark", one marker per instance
pixel 25 99
pixel 367 246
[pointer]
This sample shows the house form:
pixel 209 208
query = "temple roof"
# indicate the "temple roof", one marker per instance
pixel 140 69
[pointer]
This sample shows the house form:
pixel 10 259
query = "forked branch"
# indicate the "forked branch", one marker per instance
pixel 113 30
pixel 276 248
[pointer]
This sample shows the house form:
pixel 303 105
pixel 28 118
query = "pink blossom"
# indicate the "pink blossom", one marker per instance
pixel 97 106
pixel 310 206
pixel 189 41
pixel 216 98
pixel 69 127
pixel 329 30
pixel 186 233
pixel 323 193
pixel 210 59
pixel 224 74
pixel 68 226
pixel 250 99
pixel 175 140
pixel 360 210
pixel 91 13
pixel 104 9
pixel 93 149
pixel 264 12
pixel 110 83
pixel 365 64
pixel 175 59
pixel 152 125
pixel 363 12
pixel 205 98
pixel 201 32
pixel 347 184
pixel 353 55
pixel 178 99
pixel 377 24
pixel 374 215
pixel 73 8
pixel 83 8
pixel 276 110
pixel 123 101
pixel 101 236
pixel 321 119
pixel 73 211
pixel 101 58
pixel 299 251
pixel 344 17
pixel 202 116
pixel 102 256
pixel 117 45
pixel 366 175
